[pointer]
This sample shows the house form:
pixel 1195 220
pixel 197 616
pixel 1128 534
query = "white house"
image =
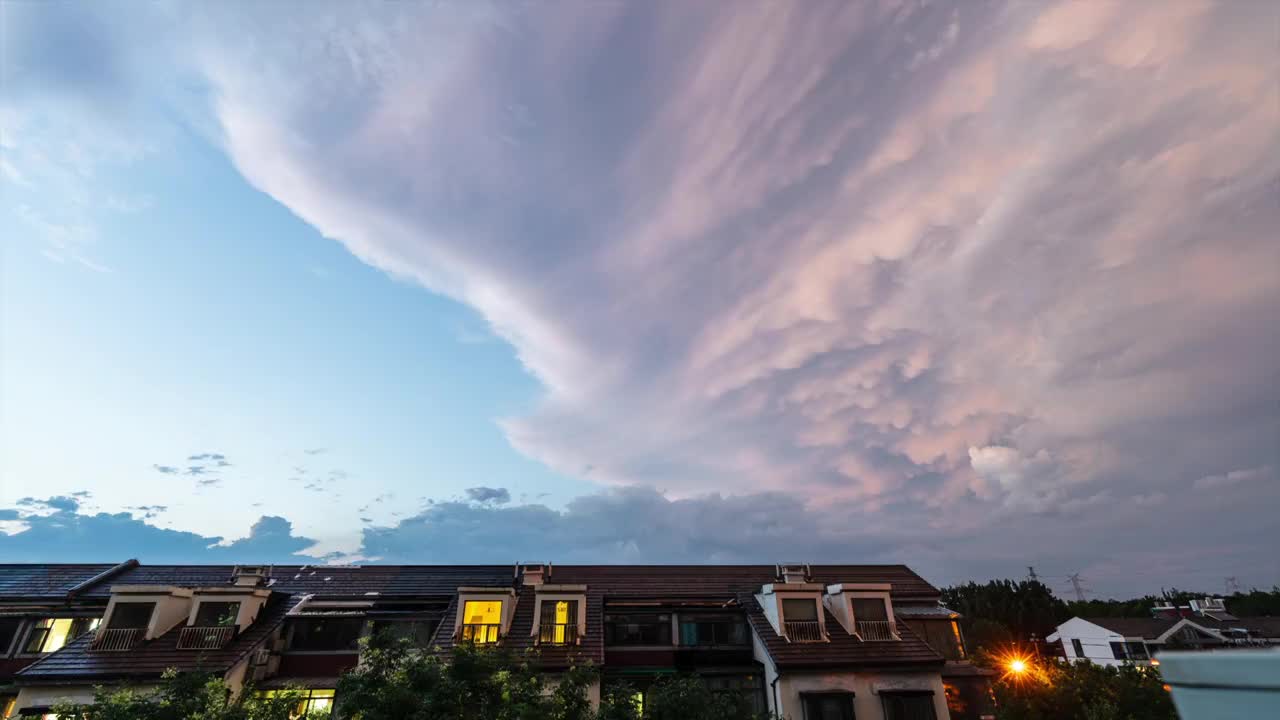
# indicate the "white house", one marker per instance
pixel 1115 641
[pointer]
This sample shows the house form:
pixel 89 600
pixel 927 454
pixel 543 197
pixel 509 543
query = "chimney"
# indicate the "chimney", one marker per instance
pixel 793 572
pixel 250 575
pixel 534 574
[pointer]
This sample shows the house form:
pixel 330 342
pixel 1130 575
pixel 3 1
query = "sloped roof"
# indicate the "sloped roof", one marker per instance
pixel 1145 628
pixel 45 581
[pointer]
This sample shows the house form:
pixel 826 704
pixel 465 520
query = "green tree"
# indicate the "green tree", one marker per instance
pixel 1057 690
pixel 396 681
pixel 684 697
pixel 184 696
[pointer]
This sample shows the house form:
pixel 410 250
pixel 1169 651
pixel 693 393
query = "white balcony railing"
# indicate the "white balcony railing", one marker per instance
pixel 877 630
pixel 205 637
pixel 804 631
pixel 117 639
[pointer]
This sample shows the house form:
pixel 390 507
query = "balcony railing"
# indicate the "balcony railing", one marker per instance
pixel 117 639
pixel 877 630
pixel 804 631
pixel 558 634
pixel 481 634
pixel 205 637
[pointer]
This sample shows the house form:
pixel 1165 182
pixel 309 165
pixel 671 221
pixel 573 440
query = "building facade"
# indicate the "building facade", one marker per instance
pixel 832 642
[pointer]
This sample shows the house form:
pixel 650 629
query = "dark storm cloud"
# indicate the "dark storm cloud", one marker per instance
pixel 499 496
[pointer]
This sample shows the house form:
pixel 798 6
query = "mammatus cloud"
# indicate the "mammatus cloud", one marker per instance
pixel 954 266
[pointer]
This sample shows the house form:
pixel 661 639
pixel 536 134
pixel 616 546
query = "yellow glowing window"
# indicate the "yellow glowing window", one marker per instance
pixel 6 706
pixel 51 634
pixel 559 622
pixel 481 620
pixel 955 630
pixel 313 700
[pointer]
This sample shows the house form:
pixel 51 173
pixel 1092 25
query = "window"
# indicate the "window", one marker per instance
pixel 217 614
pixel 51 634
pixel 131 615
pixel 1078 647
pixel 869 609
pixel 418 631
pixel 482 621
pixel 713 630
pixel 1129 650
pixel 327 634
pixel 558 622
pixel 8 631
pixel 316 700
pixel 637 629
pixel 828 706
pixel 800 620
pixel 908 706
pixel 799 610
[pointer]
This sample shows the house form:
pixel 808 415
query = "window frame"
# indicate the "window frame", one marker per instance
pixel 663 619
pixel 697 619
pixel 130 606
pixel 32 626
pixel 200 606
pixel 18 625
pixel 847 707
pixel 291 636
pixel 580 611
pixel 1077 646
pixel 888 696
pixel 506 596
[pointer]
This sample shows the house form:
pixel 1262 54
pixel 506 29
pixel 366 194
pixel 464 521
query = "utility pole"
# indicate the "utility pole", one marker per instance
pixel 1075 585
pixel 1031 574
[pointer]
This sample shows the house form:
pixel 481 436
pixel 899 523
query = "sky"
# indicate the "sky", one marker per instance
pixel 967 286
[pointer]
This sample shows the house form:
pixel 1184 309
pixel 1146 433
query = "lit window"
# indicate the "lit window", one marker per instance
pixel 558 623
pixel 6 706
pixel 316 700
pixel 51 634
pixel 481 621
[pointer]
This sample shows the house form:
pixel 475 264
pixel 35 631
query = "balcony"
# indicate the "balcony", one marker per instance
pixel 558 634
pixel 117 639
pixel 875 630
pixel 480 633
pixel 804 631
pixel 206 638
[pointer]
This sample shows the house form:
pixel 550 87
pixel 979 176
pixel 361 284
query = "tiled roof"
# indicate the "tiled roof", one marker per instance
pixel 842 649
pixel 76 661
pixel 45 581
pixel 730 585
pixel 386 580
pixel 1146 628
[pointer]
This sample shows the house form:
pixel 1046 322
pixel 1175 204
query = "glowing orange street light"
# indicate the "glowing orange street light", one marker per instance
pixel 1017 666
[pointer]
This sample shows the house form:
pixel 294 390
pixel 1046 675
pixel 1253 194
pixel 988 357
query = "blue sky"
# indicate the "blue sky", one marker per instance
pixel 644 281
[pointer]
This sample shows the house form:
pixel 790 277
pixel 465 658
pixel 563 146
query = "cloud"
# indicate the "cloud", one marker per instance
pixel 951 263
pixel 207 456
pixel 500 496
pixel 67 535
pixel 1265 474
pixel 166 469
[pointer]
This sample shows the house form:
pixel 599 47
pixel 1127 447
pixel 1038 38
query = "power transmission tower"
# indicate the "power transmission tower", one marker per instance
pixel 1075 585
pixel 1031 574
pixel 1230 585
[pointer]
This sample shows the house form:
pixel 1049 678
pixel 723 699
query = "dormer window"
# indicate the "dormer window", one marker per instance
pixel 126 628
pixel 214 626
pixel 871 618
pixel 482 621
pixel 800 620
pixel 559 622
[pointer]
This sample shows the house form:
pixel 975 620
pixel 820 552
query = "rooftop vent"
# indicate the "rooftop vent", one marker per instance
pixel 250 575
pixel 533 573
pixel 794 572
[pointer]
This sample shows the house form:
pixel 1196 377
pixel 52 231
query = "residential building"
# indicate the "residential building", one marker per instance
pixel 832 642
pixel 1202 625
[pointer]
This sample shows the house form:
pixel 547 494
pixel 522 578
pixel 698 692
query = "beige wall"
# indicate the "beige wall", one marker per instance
pixel 866 688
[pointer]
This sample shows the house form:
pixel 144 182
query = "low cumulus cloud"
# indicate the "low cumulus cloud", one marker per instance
pixel 54 530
